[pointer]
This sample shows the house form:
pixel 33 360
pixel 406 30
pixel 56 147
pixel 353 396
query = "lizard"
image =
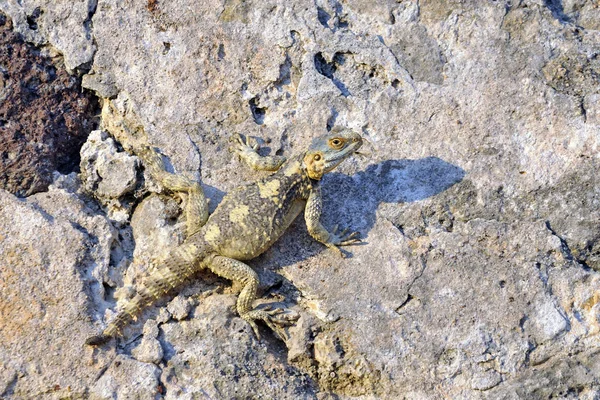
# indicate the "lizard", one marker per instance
pixel 249 219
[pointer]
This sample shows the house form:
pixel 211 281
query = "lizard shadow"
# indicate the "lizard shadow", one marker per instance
pixel 352 202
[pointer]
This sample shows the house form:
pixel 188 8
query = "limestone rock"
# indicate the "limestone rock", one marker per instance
pixel 201 364
pixel 65 25
pixel 109 175
pixel 477 199
pixel 46 279
pixel 180 307
pixel 129 379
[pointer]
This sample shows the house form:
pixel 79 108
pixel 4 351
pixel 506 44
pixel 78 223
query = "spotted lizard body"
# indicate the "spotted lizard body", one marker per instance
pixel 246 223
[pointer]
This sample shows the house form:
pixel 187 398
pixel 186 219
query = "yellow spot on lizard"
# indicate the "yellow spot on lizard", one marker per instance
pixel 212 233
pixel 269 189
pixel 238 214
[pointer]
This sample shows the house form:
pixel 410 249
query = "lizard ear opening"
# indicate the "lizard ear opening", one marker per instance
pixel 315 165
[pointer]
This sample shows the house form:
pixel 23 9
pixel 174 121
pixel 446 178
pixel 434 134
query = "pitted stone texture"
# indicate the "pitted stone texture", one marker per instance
pixel 44 116
pixel 209 364
pixel 478 200
pixel 127 378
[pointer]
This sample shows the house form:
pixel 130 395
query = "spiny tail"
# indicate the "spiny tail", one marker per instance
pixel 176 269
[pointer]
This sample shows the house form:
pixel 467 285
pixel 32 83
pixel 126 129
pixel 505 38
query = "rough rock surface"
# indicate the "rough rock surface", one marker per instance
pixel 44 116
pixel 109 175
pixel 479 203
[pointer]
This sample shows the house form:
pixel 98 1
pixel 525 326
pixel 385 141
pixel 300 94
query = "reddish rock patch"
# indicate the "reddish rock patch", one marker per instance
pixel 44 116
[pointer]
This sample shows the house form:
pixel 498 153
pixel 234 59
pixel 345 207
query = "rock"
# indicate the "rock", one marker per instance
pixel 477 199
pixel 179 307
pixel 51 245
pixel 109 175
pixel 44 116
pixel 127 378
pixel 148 351
pixel 201 364
pixel 65 26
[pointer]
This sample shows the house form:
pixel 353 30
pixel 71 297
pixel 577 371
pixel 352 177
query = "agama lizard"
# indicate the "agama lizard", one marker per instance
pixel 246 223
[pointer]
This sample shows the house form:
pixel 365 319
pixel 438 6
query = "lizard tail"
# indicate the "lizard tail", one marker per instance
pixel 176 269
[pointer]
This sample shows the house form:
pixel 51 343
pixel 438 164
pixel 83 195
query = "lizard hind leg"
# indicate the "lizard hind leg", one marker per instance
pixel 237 271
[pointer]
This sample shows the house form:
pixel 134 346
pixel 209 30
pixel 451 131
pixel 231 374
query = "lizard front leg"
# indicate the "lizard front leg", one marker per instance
pixel 249 153
pixel 237 271
pixel 312 216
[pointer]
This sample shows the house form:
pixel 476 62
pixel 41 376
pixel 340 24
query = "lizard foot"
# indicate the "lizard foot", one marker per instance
pixel 247 149
pixel 276 319
pixel 342 238
pixel 242 144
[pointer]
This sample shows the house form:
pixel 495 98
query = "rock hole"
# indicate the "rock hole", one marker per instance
pixel 32 19
pixel 556 7
pixel 221 52
pixel 323 17
pixel 395 83
pixel 323 67
pixel 502 284
pixel 258 113
pixel 328 70
pixel 285 73
pixel 109 292
pixel 166 48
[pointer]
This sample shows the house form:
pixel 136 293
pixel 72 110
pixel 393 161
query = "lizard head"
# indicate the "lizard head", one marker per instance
pixel 328 151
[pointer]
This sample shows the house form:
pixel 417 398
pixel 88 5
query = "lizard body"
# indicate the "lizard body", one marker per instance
pixel 246 223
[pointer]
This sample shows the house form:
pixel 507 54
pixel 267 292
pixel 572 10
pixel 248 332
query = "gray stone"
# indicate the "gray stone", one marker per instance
pixel 179 307
pixel 148 351
pixel 200 363
pixel 52 248
pixel 108 174
pixel 128 379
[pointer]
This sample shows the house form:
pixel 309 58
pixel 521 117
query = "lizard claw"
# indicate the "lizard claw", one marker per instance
pixel 276 320
pixel 243 144
pixel 343 238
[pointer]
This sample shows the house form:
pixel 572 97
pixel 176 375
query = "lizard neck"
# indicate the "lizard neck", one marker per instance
pixel 295 171
pixel 294 167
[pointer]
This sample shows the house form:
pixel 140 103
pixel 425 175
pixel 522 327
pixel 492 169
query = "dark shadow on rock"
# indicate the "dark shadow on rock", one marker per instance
pixel 351 201
pixel 213 195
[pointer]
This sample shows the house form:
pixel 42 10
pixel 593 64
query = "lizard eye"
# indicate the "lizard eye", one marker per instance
pixel 336 143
